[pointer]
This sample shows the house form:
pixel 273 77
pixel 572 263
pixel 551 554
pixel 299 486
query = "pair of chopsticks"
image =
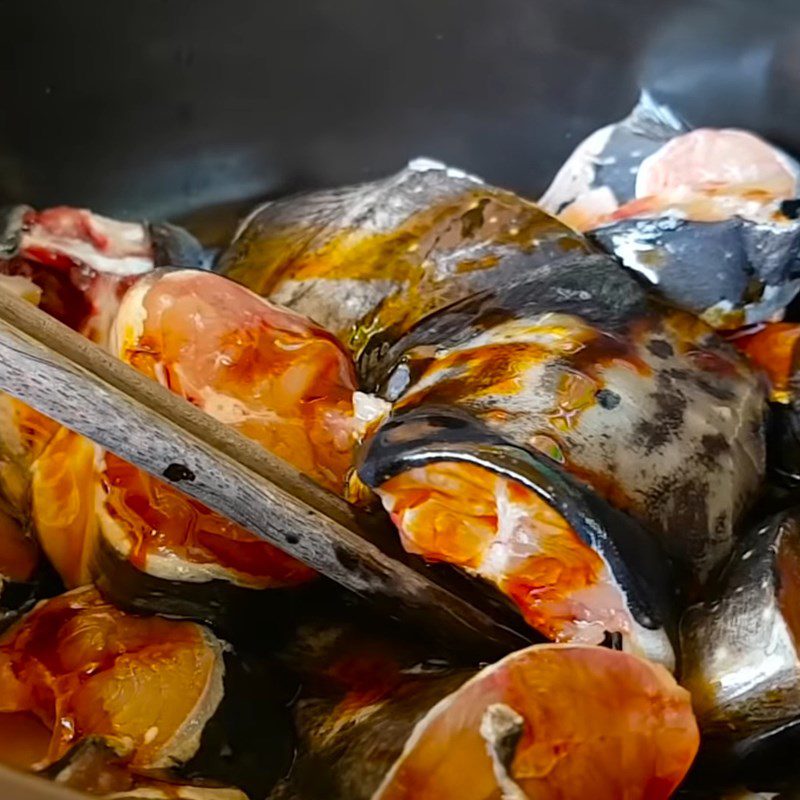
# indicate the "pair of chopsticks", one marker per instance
pixel 61 374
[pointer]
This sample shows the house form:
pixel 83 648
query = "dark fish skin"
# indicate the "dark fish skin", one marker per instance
pixel 19 597
pixel 175 247
pixel 363 689
pixel 645 404
pixel 739 647
pixel 591 287
pixel 783 442
pixel 732 272
pixel 735 269
pixel 429 435
pixel 250 741
pixel 371 260
pixel 232 611
pixel 171 245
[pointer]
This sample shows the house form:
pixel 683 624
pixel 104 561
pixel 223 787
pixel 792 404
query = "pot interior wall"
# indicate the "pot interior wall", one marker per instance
pixel 162 107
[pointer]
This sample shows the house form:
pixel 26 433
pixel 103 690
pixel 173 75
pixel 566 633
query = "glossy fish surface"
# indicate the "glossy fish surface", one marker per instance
pixel 148 673
pixel 740 657
pixel 267 372
pixel 505 728
pixel 368 261
pixel 104 701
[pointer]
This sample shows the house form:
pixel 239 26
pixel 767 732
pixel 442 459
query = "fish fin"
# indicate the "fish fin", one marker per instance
pixel 655 120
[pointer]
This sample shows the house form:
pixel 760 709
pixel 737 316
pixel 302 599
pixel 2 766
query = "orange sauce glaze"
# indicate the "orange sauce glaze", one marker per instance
pixel 19 555
pixel 774 348
pixel 159 519
pixel 450 512
pixel 24 433
pixel 498 370
pixel 63 488
pixel 264 261
pixel 155 517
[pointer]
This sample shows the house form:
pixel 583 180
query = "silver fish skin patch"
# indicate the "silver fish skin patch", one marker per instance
pixel 370 260
pixel 740 658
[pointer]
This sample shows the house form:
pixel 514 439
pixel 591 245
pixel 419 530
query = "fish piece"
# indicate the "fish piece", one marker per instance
pixel 83 262
pixel 740 659
pixel 775 348
pixel 643 403
pixel 543 750
pixel 707 215
pixel 374 721
pixel 81 667
pixel 577 569
pixel 368 261
pixel 75 265
pixel 150 547
pixel 270 374
pixel 109 702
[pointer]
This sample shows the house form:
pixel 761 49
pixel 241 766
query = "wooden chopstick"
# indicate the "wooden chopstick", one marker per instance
pixel 20 786
pixel 63 375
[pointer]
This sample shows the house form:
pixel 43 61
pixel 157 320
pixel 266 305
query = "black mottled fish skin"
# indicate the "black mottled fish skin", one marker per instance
pixel 671 424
